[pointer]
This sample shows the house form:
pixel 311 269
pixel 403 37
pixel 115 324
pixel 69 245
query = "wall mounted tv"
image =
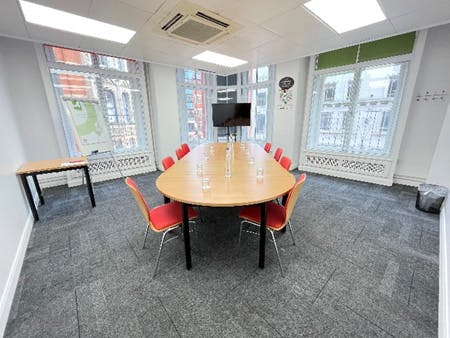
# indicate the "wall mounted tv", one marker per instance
pixel 231 114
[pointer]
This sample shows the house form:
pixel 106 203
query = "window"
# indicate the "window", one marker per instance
pixel 357 120
pixel 196 94
pixel 194 99
pixel 257 87
pixel 110 87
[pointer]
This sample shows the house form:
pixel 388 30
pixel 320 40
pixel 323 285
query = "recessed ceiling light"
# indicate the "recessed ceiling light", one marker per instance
pixel 53 18
pixel 346 15
pixel 219 59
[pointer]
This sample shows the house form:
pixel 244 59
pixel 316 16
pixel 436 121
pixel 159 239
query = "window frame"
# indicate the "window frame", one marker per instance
pixel 134 73
pixel 357 69
pixel 239 90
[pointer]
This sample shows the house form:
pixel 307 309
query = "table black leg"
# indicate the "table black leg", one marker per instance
pixel 166 200
pixel 262 236
pixel 26 187
pixel 187 240
pixel 38 189
pixel 89 185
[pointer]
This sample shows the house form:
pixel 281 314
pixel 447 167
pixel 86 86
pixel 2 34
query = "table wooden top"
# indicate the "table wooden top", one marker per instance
pixel 182 183
pixel 49 165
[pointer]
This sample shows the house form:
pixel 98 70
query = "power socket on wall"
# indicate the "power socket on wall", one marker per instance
pixel 438 95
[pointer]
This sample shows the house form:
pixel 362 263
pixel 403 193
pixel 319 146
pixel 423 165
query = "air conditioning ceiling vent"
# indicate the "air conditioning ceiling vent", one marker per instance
pixel 192 23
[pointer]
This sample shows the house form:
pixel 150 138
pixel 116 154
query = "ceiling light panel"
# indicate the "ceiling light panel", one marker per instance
pixel 346 15
pixel 219 59
pixel 53 18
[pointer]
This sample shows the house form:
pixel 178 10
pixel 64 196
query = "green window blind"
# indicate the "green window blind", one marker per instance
pixel 396 45
pixel 336 58
pixel 374 50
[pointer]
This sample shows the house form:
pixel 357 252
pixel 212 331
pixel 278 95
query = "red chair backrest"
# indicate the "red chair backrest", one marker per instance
pixel 167 162
pixel 140 200
pixel 180 153
pixel 286 162
pixel 185 148
pixel 293 195
pixel 267 147
pixel 277 154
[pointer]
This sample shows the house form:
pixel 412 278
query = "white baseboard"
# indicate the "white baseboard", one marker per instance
pixel 444 278
pixel 7 297
pixel 412 181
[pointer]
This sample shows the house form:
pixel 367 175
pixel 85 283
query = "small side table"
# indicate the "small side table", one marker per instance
pixel 51 166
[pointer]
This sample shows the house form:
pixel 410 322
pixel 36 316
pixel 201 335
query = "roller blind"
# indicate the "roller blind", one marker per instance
pixel 396 45
pixel 374 50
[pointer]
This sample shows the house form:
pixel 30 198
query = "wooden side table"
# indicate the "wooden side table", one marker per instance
pixel 50 166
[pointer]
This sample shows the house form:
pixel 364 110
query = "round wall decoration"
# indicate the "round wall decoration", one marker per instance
pixel 286 83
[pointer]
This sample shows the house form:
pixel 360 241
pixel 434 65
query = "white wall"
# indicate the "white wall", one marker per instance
pixel 288 118
pixel 444 273
pixel 426 117
pixel 29 100
pixel 164 103
pixel 439 172
pixel 15 220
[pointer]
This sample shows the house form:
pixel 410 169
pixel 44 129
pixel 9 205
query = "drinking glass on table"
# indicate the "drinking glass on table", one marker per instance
pixel 206 185
pixel 259 174
pixel 199 169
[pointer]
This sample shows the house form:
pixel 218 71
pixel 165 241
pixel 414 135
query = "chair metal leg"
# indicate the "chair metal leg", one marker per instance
pixel 159 252
pixel 290 230
pixel 240 235
pixel 146 233
pixel 276 249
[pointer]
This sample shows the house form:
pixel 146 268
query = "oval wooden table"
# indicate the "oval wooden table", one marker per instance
pixel 183 183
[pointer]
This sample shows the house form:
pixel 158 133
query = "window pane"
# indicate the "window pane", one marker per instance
pixel 263 74
pixel 68 56
pixel 109 62
pixel 221 80
pixel 196 115
pixel 194 77
pixel 375 102
pixel 232 80
pixel 120 114
pixel 259 99
pixel 332 104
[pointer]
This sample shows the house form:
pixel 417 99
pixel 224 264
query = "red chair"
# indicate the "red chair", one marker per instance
pixel 267 147
pixel 163 218
pixel 277 154
pixel 185 148
pixel 278 216
pixel 167 162
pixel 286 162
pixel 180 153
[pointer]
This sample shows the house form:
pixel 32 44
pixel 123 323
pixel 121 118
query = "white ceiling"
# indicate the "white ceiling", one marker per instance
pixel 271 31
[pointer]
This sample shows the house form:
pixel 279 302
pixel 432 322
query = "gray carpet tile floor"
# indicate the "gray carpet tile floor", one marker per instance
pixel 365 264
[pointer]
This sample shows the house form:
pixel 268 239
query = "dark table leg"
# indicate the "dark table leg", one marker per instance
pixel 89 185
pixel 26 187
pixel 262 236
pixel 38 189
pixel 166 200
pixel 187 240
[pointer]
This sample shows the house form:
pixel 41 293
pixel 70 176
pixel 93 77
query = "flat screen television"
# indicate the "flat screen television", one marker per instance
pixel 231 114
